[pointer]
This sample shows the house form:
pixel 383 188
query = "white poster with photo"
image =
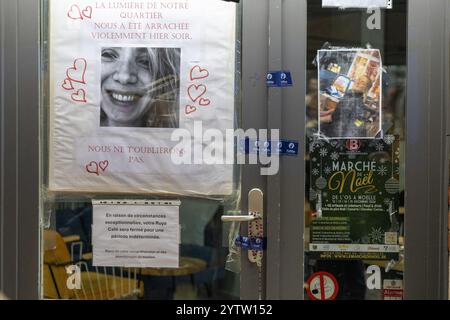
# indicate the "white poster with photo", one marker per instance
pixel 126 75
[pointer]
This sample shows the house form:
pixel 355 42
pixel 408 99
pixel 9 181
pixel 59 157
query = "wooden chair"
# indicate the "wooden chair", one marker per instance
pixel 94 285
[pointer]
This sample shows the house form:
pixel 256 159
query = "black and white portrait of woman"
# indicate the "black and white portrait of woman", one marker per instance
pixel 140 87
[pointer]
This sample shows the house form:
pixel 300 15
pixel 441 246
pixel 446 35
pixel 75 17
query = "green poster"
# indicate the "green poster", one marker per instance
pixel 354 194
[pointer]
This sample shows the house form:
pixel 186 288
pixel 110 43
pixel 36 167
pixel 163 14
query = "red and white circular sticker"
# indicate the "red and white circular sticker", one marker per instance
pixel 322 286
pixel 353 145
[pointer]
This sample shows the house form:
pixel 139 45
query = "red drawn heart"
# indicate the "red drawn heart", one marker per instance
pixel 195 92
pixel 92 168
pixel 103 165
pixel 79 96
pixel 204 102
pixel 78 71
pixel 67 85
pixel 75 13
pixel 198 73
pixel 190 109
pixel 88 12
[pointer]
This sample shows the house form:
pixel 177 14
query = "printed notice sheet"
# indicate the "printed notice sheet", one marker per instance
pixel 136 234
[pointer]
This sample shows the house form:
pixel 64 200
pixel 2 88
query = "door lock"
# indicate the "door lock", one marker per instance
pixel 255 224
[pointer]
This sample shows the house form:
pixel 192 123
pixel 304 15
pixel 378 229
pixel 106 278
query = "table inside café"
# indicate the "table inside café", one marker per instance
pixel 189 266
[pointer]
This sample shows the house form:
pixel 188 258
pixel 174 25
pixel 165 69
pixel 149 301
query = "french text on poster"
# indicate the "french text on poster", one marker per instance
pixel 126 78
pixel 354 195
pixel 136 234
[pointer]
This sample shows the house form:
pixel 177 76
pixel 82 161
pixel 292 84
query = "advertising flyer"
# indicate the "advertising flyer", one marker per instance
pixel 136 234
pixel 350 93
pixel 354 195
pixel 124 76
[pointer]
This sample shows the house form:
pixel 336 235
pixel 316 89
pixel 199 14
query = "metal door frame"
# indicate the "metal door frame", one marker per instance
pixel 254 98
pixel 294 34
pixel 447 163
pixel 426 257
pixel 19 94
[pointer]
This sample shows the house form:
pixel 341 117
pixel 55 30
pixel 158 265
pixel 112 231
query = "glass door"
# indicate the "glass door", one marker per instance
pixel 135 182
pixel 355 152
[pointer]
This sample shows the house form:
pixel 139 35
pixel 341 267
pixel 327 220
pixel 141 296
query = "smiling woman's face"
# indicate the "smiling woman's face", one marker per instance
pixel 125 75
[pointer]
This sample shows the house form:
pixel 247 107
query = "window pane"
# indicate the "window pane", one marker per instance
pixel 355 105
pixel 68 269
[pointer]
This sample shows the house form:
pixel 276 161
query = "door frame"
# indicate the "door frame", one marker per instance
pixel 19 146
pixel 20 221
pixel 265 27
pixel 254 62
pixel 426 256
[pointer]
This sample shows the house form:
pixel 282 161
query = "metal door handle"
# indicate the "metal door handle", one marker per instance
pixel 255 223
pixel 238 218
pixel 250 217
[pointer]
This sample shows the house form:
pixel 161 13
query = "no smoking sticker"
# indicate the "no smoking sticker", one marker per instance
pixel 322 286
